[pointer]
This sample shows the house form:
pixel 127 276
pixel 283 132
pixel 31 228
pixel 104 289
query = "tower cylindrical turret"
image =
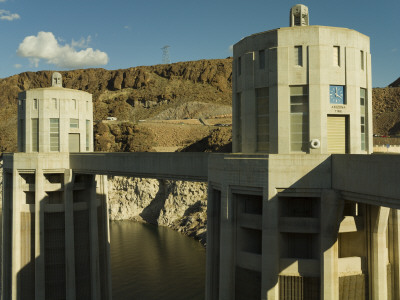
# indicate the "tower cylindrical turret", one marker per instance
pixel 55 119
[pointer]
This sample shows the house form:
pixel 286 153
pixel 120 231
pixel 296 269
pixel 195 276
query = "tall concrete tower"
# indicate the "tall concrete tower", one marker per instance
pixel 285 222
pixel 55 222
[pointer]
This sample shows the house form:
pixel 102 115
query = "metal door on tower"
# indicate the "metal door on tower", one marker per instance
pixel 74 144
pixel 337 134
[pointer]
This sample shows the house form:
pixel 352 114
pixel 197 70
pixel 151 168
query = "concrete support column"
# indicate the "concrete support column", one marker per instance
pixel 6 236
pixel 213 245
pixel 228 246
pixel 270 247
pixel 379 222
pixel 39 232
pixel 94 241
pixel 394 252
pixel 105 261
pixel 331 214
pixel 69 235
pixel 16 229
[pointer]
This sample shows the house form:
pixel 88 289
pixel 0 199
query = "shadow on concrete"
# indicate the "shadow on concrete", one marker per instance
pixel 49 275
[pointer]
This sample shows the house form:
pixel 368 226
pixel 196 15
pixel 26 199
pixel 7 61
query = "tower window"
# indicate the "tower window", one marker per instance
pixel 362 119
pixel 87 134
pixel 54 134
pixel 298 55
pixel 336 56
pixel 35 103
pixel 362 59
pixel 239 65
pixel 299 119
pixel 261 57
pixel 54 100
pixel 238 117
pixel 74 123
pixel 35 135
pixel 74 103
pixel 262 102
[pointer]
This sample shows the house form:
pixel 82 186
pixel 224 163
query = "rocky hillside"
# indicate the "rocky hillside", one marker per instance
pixel 386 110
pixel 186 90
pixel 176 91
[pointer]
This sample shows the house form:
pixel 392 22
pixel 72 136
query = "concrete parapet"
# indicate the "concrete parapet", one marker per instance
pixel 387 148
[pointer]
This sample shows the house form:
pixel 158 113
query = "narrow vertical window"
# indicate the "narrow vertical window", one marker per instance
pixel 239 121
pixel 261 57
pixel 87 106
pixel 21 135
pixel 239 65
pixel 74 103
pixel 35 103
pixel 336 56
pixel 297 20
pixel 87 134
pixel 262 102
pixel 74 123
pixel 35 135
pixel 298 55
pixel 363 93
pixel 54 134
pixel 54 103
pixel 362 59
pixel 299 141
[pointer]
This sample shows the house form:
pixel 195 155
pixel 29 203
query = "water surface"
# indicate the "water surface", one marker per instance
pixel 150 262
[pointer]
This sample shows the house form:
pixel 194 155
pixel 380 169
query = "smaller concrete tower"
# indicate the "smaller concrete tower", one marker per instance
pixel 56 79
pixel 55 219
pixel 299 15
pixel 55 119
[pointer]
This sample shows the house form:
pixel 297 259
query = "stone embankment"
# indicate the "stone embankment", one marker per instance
pixel 180 205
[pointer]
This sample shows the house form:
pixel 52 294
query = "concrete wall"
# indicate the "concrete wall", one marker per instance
pixel 385 149
pixel 181 166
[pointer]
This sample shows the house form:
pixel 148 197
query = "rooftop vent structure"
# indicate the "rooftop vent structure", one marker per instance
pixel 299 15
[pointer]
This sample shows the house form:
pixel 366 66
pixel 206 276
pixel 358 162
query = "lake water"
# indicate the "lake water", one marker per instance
pixel 150 262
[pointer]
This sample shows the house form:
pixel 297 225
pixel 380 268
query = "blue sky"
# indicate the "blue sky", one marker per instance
pixel 62 35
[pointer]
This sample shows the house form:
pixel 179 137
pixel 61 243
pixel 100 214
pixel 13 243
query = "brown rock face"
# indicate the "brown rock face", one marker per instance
pixel 122 137
pixel 129 94
pixel 386 110
pixel 194 89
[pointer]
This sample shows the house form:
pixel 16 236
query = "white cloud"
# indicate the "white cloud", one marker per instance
pixel 45 46
pixel 3 0
pixel 127 27
pixel 8 16
pixel 82 43
pixel 17 66
pixel 230 48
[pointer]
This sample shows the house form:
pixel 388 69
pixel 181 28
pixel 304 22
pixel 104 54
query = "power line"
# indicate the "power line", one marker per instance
pixel 165 56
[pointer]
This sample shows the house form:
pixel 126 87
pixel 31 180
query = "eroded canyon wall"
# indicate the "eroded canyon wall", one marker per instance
pixel 180 205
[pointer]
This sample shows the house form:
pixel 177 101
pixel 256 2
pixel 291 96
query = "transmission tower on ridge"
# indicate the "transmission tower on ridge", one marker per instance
pixel 165 56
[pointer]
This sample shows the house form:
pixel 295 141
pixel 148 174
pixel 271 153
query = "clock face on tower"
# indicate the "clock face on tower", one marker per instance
pixel 336 94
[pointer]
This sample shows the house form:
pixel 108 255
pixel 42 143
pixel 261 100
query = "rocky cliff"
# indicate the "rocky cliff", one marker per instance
pixel 180 205
pixel 386 110
pixel 175 91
